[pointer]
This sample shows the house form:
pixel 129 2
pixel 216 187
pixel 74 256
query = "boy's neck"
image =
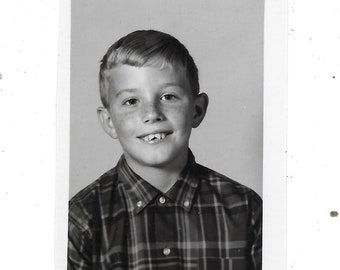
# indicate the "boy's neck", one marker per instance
pixel 162 178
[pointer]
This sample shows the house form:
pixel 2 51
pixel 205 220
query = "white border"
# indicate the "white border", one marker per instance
pixel 275 135
pixel 63 136
pixel 28 64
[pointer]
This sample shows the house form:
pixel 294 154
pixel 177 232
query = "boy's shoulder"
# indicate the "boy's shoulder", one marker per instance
pixel 225 186
pixel 104 184
pixel 86 205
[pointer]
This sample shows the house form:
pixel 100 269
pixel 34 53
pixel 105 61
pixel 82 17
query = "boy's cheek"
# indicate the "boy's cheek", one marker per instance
pixel 125 115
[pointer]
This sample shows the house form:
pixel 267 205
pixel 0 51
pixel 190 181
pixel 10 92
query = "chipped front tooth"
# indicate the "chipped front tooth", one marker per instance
pixel 151 137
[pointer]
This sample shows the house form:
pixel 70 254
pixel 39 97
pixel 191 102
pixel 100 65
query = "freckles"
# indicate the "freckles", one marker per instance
pixel 126 115
pixel 126 121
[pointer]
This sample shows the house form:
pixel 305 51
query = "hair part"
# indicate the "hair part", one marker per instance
pixel 146 48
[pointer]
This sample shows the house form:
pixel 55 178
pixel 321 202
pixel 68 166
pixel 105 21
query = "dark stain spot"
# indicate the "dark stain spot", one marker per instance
pixel 333 77
pixel 334 213
pixel 0 76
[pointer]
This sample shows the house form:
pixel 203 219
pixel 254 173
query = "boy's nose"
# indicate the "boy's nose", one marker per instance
pixel 152 113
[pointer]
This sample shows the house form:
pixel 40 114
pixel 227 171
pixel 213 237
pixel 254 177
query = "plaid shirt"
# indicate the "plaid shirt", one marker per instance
pixel 205 221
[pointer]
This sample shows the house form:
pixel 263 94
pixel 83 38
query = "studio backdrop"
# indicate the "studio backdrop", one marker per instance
pixel 225 38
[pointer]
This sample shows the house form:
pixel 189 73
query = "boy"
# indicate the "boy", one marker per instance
pixel 158 208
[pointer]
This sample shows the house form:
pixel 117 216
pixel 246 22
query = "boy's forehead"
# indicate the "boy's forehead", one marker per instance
pixel 131 77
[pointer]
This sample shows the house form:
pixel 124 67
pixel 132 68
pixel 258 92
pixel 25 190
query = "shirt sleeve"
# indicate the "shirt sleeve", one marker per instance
pixel 79 244
pixel 256 228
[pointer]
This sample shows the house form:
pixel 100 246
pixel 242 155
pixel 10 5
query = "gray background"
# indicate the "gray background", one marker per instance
pixel 225 37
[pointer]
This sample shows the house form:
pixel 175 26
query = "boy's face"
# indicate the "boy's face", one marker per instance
pixel 152 112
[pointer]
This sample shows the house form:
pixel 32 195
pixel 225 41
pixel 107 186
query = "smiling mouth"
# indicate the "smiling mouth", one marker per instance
pixel 154 137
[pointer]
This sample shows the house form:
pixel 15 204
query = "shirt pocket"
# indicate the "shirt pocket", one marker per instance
pixel 222 264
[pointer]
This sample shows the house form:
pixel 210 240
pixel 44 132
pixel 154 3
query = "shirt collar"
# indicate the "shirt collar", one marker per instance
pixel 141 193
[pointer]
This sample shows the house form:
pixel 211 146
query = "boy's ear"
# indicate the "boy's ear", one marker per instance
pixel 200 108
pixel 106 122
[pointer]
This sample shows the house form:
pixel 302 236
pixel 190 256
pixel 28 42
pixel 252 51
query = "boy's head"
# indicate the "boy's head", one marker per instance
pixel 146 48
pixel 150 92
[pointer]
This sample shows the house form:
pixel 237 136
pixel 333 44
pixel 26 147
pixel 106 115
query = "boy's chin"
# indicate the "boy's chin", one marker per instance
pixel 159 160
pixel 156 162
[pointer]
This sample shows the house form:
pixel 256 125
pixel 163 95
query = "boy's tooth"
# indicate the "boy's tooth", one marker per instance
pixel 151 137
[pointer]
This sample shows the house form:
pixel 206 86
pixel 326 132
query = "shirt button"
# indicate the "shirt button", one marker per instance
pixel 166 251
pixel 186 203
pixel 139 204
pixel 162 200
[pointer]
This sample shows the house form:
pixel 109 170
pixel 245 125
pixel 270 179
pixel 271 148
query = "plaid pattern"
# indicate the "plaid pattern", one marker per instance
pixel 205 221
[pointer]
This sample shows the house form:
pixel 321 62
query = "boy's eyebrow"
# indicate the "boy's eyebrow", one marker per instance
pixel 133 90
pixel 129 90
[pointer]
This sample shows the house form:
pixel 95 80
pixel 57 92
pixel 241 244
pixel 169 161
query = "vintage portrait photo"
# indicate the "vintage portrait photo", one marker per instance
pixel 166 135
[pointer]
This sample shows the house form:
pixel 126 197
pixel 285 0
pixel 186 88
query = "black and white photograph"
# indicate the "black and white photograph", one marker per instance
pixel 166 135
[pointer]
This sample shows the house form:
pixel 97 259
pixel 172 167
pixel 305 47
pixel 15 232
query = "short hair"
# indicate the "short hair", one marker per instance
pixel 146 48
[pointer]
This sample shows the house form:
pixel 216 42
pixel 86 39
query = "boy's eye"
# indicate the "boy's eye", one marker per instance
pixel 168 97
pixel 130 102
